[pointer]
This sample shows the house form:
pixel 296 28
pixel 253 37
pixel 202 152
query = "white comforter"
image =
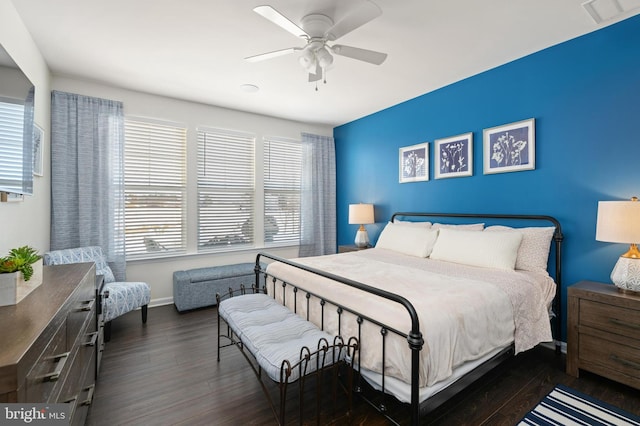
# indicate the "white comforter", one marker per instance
pixel 464 311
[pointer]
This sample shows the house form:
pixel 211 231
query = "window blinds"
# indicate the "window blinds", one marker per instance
pixel 155 187
pixel 11 135
pixel 226 188
pixel 282 174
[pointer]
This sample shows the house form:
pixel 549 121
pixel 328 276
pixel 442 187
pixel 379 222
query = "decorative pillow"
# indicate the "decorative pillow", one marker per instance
pixel 411 240
pixel 410 223
pixel 497 250
pixel 468 227
pixel 533 253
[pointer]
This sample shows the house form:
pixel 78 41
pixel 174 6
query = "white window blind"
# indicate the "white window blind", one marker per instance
pixel 282 173
pixel 155 188
pixel 11 136
pixel 226 188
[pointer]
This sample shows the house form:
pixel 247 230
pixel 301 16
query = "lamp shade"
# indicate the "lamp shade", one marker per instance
pixel 361 214
pixel 618 221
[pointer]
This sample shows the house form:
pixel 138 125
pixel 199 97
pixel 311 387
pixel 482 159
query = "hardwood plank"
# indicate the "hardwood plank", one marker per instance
pixel 166 373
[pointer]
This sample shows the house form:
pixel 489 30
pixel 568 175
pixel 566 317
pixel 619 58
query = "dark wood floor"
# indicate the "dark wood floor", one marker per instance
pixel 166 373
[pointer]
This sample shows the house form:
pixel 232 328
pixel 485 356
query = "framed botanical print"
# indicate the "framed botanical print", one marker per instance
pixel 453 156
pixel 510 147
pixel 414 163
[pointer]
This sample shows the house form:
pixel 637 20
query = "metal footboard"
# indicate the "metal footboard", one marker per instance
pixel 413 337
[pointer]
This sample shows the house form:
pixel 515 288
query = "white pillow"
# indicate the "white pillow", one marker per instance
pixel 411 240
pixel 497 250
pixel 468 227
pixel 409 223
pixel 533 253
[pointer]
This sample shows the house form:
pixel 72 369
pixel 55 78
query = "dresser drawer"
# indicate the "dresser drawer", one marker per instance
pixel 611 358
pixel 609 318
pixel 50 368
pixel 80 317
pixel 82 398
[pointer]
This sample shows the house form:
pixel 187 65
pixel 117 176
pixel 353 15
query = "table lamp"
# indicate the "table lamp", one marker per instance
pixel 619 222
pixel 361 214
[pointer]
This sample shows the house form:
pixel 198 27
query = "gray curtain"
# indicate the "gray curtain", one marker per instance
pixel 318 199
pixel 87 176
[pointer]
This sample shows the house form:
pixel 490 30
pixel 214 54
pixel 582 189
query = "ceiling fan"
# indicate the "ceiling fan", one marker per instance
pixel 319 30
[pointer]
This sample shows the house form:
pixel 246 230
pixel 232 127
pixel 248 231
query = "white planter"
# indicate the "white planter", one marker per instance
pixel 13 287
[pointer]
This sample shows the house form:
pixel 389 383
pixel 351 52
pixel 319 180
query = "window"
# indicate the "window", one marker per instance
pixel 155 187
pixel 11 137
pixel 226 188
pixel 282 173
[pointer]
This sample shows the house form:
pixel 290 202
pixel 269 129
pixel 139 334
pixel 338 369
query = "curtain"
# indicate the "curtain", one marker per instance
pixel 87 176
pixel 318 196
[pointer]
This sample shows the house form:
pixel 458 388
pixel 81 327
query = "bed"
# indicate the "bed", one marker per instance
pixel 435 304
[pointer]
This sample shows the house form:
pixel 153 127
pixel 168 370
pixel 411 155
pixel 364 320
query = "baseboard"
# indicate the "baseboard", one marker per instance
pixel 161 302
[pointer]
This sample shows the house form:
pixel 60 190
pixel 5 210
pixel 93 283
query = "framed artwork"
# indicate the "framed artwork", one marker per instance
pixel 453 157
pixel 510 148
pixel 414 163
pixel 38 137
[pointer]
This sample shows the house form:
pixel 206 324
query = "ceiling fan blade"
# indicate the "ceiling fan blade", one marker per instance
pixel 269 55
pixel 280 20
pixel 365 55
pixel 355 19
pixel 317 76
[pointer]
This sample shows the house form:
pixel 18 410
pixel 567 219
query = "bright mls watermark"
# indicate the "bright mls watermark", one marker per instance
pixel 36 414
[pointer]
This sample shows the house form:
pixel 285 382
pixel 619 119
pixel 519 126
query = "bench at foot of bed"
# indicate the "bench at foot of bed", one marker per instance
pixel 284 345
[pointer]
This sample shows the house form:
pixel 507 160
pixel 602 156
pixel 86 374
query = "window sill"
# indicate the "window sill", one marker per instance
pixel 155 257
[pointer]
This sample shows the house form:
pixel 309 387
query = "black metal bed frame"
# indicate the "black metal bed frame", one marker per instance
pixel 414 336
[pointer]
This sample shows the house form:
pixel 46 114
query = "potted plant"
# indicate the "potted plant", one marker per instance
pixel 20 273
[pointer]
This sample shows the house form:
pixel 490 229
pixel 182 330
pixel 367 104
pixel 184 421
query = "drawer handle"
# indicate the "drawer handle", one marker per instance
pixel 624 324
pixel 93 340
pixel 87 305
pixel 89 399
pixel 60 363
pixel 74 404
pixel 625 362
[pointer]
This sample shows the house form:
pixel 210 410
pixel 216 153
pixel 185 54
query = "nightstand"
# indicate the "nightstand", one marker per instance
pixel 603 332
pixel 351 247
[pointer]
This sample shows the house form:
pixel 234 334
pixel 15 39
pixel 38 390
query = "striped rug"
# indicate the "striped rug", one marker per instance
pixel 565 406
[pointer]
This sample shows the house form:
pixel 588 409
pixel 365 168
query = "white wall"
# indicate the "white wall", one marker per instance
pixel 27 222
pixel 159 272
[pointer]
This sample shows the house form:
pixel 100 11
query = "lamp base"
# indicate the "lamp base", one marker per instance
pixel 362 238
pixel 626 274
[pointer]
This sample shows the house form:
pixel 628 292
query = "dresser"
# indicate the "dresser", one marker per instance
pixel 48 343
pixel 603 332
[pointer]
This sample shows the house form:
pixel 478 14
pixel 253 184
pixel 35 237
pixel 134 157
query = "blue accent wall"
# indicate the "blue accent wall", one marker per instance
pixel 585 97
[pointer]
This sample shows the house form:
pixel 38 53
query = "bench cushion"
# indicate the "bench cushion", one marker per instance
pixel 218 272
pixel 273 333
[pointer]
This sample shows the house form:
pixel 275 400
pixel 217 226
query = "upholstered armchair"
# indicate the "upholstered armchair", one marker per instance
pixel 118 298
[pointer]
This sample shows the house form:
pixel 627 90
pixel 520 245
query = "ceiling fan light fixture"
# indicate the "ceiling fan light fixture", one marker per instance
pixel 308 60
pixel 324 57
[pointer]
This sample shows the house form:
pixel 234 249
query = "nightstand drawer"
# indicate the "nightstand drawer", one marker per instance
pixel 609 318
pixel 603 332
pixel 598 355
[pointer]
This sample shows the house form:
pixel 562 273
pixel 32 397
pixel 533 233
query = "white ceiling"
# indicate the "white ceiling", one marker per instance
pixel 194 49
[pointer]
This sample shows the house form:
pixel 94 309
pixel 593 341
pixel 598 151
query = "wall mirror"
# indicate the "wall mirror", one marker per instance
pixel 16 128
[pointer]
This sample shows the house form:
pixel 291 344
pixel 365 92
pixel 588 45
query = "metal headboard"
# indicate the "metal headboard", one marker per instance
pixel 557 240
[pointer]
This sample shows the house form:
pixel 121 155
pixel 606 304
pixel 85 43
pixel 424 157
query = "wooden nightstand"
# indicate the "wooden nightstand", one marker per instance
pixel 603 332
pixel 351 247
